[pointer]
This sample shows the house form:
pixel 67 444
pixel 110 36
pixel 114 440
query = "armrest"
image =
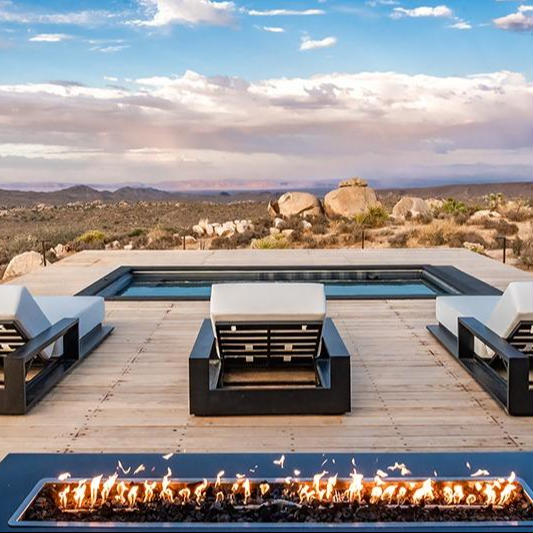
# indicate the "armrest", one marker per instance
pixel 488 337
pixel 64 328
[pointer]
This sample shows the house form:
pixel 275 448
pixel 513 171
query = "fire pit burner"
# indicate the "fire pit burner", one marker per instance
pixel 322 499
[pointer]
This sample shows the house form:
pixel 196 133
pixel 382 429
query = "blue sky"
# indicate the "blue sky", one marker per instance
pixel 254 89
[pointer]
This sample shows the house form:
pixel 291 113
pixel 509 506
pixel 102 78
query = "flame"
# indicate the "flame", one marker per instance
pixel 63 496
pixel 149 487
pixel 480 472
pixel 139 469
pixel 199 491
pixel 280 462
pixel 381 490
pixel 107 486
pixel 404 471
pixel 121 489
pixel 132 495
pixel 95 485
pixel 79 493
pixel 63 476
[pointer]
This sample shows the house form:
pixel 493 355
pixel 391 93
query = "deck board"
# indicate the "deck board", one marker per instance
pixel 131 395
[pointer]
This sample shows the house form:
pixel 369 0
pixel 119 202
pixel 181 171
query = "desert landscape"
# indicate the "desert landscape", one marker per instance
pixel 481 218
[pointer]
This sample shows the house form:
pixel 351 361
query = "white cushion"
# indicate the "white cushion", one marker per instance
pixel 450 308
pixel 89 310
pixel 514 306
pixel 267 302
pixel 17 305
pixel 501 314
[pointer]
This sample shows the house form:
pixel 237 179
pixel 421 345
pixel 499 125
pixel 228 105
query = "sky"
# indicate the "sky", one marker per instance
pixel 153 92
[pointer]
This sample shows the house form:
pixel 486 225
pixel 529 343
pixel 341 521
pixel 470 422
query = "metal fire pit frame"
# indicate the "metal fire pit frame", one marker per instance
pixel 20 473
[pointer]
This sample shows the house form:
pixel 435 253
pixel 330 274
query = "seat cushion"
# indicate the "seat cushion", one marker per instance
pixel 513 307
pixel 89 310
pixel 450 308
pixel 18 306
pixel 267 302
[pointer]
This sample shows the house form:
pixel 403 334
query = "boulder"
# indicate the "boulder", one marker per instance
pixel 434 203
pixel 241 226
pixel 293 204
pixel 279 223
pixel 306 225
pixel 483 214
pixel 353 182
pixel 189 239
pixel 410 206
pixel 128 246
pixel 350 199
pixel 60 251
pixel 203 223
pixel 199 230
pixel 287 232
pixel 274 231
pixel 23 264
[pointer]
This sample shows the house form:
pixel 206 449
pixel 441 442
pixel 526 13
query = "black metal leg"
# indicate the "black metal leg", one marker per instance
pixel 14 386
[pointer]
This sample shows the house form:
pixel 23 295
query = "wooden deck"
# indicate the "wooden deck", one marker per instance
pixel 131 394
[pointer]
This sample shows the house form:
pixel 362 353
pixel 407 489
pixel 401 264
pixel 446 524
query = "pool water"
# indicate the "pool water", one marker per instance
pixel 341 289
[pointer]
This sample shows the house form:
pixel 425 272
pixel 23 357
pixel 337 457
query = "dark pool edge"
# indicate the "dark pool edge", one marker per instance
pixel 109 285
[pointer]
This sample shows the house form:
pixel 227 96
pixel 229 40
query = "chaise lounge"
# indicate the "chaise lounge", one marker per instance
pixel 268 348
pixel 492 337
pixel 42 339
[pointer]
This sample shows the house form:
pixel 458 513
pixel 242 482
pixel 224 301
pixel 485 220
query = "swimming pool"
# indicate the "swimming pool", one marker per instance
pixel 342 282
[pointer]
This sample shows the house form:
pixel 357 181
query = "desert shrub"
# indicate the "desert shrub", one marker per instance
pixel 517 245
pixel 494 200
pixel 451 206
pixel 137 232
pixel 296 235
pixel 374 217
pixel 461 218
pixel 160 239
pixel 222 243
pixel 330 240
pixel 309 242
pixel 345 226
pixel 319 228
pixel 432 235
pixel 424 219
pixel 92 236
pixel 270 242
pixel 458 238
pixel 526 254
pixel 399 240
pixel 501 226
pixel 518 213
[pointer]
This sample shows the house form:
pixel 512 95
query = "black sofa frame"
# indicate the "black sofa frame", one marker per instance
pixel 209 397
pixel 18 394
pixel 505 376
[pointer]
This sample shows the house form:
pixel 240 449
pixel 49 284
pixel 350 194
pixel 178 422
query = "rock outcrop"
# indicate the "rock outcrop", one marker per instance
pixel 293 204
pixel 484 214
pixel 410 207
pixel 23 264
pixel 353 197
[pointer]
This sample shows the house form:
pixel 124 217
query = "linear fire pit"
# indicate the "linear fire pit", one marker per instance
pixel 261 492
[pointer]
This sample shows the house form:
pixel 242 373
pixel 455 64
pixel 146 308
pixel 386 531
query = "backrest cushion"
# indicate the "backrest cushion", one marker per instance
pixel 18 306
pixel 514 306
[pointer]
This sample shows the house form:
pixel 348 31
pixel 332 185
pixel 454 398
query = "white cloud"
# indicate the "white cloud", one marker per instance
pixel 50 37
pixel 80 18
pixel 522 20
pixel 192 12
pixel 374 3
pixel 441 11
pixel 285 12
pixel 461 25
pixel 310 44
pixel 384 124
pixel 110 49
pixel 111 78
pixel 273 29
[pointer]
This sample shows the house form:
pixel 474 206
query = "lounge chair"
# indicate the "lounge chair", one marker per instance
pixel 492 337
pixel 41 339
pixel 268 348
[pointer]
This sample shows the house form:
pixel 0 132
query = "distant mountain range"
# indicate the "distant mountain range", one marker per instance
pixel 84 193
